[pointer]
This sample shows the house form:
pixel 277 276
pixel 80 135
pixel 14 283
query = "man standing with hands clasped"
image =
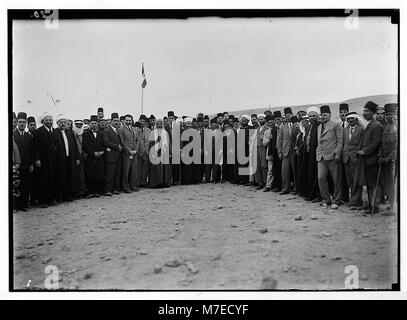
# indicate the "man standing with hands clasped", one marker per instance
pixel 130 142
pixel 330 140
pixel 113 162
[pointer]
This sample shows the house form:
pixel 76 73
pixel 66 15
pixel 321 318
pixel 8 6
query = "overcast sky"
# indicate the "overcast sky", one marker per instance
pixel 199 65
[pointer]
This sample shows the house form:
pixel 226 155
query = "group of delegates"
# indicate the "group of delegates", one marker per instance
pixel 306 154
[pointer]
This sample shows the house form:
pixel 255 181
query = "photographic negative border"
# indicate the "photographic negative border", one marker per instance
pixel 115 14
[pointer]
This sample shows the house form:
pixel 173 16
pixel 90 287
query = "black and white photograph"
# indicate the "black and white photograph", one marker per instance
pixel 204 150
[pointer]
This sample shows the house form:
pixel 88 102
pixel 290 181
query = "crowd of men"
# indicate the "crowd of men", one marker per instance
pixel 307 154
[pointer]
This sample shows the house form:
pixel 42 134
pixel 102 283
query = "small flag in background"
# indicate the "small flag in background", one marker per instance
pixel 143 75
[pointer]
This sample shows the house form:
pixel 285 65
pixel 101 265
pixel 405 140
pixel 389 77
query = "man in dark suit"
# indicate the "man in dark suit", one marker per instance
pixel 368 153
pixel 130 142
pixel 33 188
pixel 285 151
pixel 114 148
pixel 24 143
pixel 343 111
pixel 352 135
pixel 95 163
pixel 45 162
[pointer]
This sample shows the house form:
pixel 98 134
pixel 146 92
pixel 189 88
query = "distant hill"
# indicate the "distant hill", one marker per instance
pixel 355 104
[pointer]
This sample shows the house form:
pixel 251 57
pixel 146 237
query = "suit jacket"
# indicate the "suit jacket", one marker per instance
pixel 25 147
pixel 330 142
pixel 370 142
pixel 111 140
pixel 94 167
pixel 351 147
pixel 284 139
pixel 129 139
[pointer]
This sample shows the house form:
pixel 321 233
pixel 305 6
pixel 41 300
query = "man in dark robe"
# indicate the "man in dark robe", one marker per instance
pixel 67 161
pixel 187 170
pixel 212 167
pixel 45 151
pixel 175 167
pixel 113 159
pixel 277 181
pixel 25 147
pixel 95 164
pixel 312 188
pixel 302 159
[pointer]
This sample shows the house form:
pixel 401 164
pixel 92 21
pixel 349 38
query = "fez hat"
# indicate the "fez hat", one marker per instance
pixel 370 105
pixel 30 119
pixel 170 113
pixel 325 109
pixel 343 106
pixel 142 117
pixel 268 118
pixel 390 107
pixel 253 116
pixel 213 121
pixel 93 117
pixel 225 112
pixel 277 114
pixel 152 117
pixel 235 120
pixel 294 119
pixel 206 117
pixel 114 115
pixel 200 119
pixel 219 115
pixel 100 109
pixel 122 118
pixel 193 119
pixel 288 111
pixel 22 115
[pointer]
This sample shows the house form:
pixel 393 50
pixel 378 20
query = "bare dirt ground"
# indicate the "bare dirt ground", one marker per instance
pixel 207 236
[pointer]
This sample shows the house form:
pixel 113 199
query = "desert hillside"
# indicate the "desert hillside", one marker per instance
pixel 355 104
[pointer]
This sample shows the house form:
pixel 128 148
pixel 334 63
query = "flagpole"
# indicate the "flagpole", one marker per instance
pixel 142 91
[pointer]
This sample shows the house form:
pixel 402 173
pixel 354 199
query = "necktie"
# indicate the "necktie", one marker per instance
pixel 322 128
pixel 351 132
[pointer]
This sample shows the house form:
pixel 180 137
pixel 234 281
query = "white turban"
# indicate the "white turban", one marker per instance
pixel 245 116
pixel 45 115
pixel 261 115
pixel 188 119
pixel 60 117
pixel 312 109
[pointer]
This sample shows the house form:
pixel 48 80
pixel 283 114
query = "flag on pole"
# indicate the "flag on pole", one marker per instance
pixel 143 75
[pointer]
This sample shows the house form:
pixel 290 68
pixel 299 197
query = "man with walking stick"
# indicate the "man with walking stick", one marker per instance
pixel 368 156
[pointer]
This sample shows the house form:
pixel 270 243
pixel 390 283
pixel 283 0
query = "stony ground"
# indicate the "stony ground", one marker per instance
pixel 203 237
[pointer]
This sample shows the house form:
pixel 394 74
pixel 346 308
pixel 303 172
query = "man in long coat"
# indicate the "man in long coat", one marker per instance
pixel 67 161
pixel 260 175
pixel 113 159
pixel 368 154
pixel 277 182
pixel 24 143
pixel 145 148
pixel 45 162
pixel 95 163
